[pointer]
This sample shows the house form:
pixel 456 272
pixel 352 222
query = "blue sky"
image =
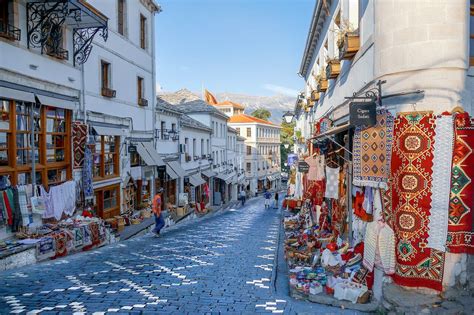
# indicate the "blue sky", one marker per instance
pixel 243 46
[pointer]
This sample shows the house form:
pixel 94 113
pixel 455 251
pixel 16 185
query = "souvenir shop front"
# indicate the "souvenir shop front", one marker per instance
pixel 387 200
pixel 38 198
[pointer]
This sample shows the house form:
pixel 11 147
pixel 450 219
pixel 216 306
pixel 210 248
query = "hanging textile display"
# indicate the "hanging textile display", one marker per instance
pixel 442 153
pixel 87 174
pixel 79 138
pixel 461 202
pixel 411 165
pixel 332 182
pixel 372 152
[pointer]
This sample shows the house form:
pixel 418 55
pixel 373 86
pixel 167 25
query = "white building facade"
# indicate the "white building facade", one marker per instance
pixel 75 75
pixel 262 152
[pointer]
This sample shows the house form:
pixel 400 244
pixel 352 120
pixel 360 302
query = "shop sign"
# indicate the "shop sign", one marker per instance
pixel 292 158
pixel 132 148
pixel 362 114
pixel 303 167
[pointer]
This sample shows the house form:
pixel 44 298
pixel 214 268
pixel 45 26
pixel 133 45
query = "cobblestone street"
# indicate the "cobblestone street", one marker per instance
pixel 223 264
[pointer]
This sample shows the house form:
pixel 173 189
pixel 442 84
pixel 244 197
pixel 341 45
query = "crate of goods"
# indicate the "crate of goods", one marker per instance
pixel 112 222
pixel 180 211
pixel 146 213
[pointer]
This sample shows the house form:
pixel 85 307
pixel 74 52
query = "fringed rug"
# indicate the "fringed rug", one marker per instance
pixel 461 203
pixel 79 138
pixel 372 152
pixel 411 165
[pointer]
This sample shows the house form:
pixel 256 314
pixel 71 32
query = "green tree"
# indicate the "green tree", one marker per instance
pixel 261 113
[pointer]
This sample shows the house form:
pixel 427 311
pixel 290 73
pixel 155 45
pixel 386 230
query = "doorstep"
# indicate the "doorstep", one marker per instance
pixel 135 229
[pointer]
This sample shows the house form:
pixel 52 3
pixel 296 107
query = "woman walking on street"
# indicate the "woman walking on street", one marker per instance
pixel 276 201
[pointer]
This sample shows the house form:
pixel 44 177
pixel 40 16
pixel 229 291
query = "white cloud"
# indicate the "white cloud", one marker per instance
pixel 280 89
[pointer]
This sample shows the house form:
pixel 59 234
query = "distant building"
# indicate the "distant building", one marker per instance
pixel 262 151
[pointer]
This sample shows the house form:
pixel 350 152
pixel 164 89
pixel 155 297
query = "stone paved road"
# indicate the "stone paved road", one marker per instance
pixel 222 264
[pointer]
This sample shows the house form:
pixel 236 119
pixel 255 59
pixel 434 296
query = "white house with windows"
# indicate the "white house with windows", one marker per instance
pixel 72 63
pixel 262 151
pixel 221 174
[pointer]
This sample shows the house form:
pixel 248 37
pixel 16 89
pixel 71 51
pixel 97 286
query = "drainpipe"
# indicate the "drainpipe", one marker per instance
pixel 83 95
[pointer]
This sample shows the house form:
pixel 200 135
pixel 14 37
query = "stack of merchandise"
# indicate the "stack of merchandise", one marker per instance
pixel 322 264
pixel 65 237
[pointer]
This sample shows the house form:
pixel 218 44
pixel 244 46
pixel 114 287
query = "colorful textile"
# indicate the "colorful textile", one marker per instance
pixel 412 160
pixel 45 248
pixel 442 156
pixel 332 182
pixel 60 240
pixel 87 175
pixel 461 204
pixel 387 210
pixel 315 191
pixel 78 237
pixel 79 138
pixel 372 152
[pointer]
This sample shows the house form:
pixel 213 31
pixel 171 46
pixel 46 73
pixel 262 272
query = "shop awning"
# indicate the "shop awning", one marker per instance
pixel 149 154
pixel 57 102
pixel 172 174
pixel 176 167
pixel 330 132
pixel 209 173
pixel 13 94
pixel 226 177
pixel 108 131
pixel 196 180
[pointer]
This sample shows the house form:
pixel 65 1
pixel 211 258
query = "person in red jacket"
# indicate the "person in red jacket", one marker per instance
pixel 157 207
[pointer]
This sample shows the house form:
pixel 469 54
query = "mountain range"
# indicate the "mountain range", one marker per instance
pixel 276 104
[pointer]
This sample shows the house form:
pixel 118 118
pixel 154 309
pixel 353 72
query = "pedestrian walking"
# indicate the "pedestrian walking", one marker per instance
pixel 276 201
pixel 243 196
pixel 267 196
pixel 157 207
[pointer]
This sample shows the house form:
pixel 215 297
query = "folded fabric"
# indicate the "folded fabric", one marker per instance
pixel 379 242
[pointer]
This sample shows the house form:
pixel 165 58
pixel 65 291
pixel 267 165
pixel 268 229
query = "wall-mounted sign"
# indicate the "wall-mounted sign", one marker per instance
pixel 303 167
pixel 292 159
pixel 132 148
pixel 362 114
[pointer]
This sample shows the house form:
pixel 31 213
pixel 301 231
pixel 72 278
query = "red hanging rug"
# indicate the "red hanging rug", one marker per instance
pixel 411 166
pixel 461 201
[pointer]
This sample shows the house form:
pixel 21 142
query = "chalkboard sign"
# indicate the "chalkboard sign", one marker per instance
pixel 303 167
pixel 362 114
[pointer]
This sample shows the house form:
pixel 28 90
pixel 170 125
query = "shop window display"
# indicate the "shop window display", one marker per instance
pixel 105 152
pixel 51 140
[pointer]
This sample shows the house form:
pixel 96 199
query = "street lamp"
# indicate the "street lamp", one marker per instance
pixel 288 116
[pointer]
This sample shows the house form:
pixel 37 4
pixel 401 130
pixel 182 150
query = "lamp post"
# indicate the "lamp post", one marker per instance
pixel 288 116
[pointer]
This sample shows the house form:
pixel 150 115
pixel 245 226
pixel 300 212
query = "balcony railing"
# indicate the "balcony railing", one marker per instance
pixel 10 32
pixel 57 52
pixel 108 92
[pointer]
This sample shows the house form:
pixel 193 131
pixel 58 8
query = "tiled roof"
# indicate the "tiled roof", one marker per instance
pixel 188 102
pixel 230 103
pixel 242 119
pixel 193 123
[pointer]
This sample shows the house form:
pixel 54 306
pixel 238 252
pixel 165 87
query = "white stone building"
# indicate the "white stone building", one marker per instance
pixel 221 174
pixel 262 152
pixel 80 59
pixel 423 50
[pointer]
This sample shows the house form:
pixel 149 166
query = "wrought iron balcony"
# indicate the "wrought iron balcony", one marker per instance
pixel 56 52
pixel 142 102
pixel 108 92
pixel 10 32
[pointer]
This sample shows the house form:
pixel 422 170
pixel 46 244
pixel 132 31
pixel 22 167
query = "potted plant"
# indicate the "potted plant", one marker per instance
pixel 322 82
pixel 348 41
pixel 333 68
pixel 314 98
